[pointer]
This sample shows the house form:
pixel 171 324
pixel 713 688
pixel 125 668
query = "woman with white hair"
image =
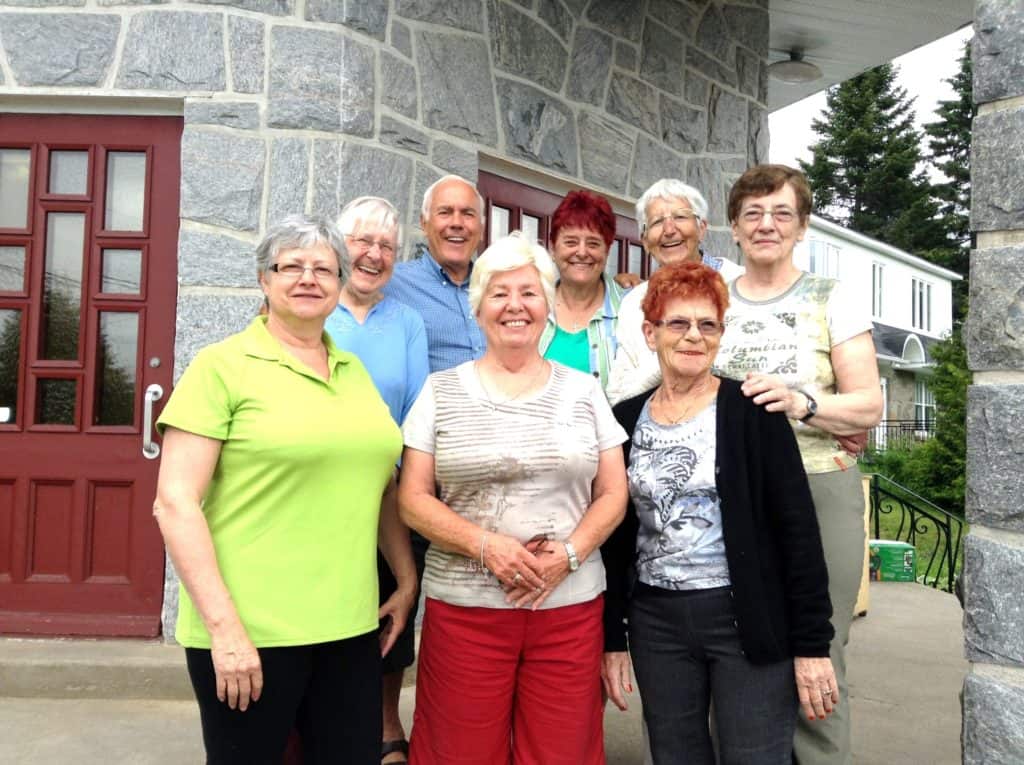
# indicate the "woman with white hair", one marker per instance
pixel 673 219
pixel 513 470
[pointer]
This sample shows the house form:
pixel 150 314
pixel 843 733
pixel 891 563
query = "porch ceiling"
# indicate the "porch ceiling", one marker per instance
pixel 846 37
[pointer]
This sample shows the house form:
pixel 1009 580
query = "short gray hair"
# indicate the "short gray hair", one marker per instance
pixel 301 231
pixel 507 254
pixel 370 212
pixel 670 188
pixel 428 195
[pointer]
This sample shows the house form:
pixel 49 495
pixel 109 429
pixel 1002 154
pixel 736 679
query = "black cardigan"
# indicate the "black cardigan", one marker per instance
pixel 772 543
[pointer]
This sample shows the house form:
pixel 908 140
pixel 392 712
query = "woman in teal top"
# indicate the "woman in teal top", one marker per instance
pixel 580 331
pixel 277 450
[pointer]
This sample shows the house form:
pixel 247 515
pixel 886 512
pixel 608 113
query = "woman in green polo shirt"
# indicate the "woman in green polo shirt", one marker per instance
pixel 277 451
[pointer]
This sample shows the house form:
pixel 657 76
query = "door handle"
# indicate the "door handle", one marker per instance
pixel 150 449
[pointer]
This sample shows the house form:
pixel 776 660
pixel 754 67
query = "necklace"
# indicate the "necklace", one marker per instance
pixel 520 392
pixel 664 405
pixel 570 313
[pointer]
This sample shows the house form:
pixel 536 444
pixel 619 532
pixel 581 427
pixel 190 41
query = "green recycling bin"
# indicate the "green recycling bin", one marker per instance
pixel 890 561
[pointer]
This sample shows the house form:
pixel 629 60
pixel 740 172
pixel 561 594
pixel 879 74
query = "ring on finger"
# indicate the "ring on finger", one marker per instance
pixel 516 577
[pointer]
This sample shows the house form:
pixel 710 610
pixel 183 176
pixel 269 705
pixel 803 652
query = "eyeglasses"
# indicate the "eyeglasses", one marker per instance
pixel 707 327
pixel 386 248
pixel 296 270
pixel 778 214
pixel 680 218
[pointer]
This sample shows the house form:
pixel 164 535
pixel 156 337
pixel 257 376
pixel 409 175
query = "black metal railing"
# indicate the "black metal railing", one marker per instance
pixel 899 434
pixel 936 534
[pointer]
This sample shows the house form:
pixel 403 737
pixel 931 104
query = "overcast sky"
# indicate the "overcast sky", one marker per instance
pixel 923 72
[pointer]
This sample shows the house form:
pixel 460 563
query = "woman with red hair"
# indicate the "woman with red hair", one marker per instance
pixel 580 331
pixel 730 597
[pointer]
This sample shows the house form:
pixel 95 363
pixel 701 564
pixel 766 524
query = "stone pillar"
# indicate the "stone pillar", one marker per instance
pixel 993 729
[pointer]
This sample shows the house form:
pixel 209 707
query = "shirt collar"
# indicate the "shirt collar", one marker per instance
pixel 259 343
pixel 431 265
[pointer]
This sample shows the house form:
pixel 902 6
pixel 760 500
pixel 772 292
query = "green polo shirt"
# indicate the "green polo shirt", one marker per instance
pixel 295 497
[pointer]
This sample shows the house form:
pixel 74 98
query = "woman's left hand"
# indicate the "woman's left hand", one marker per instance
pixel 395 611
pixel 816 686
pixel 773 393
pixel 554 563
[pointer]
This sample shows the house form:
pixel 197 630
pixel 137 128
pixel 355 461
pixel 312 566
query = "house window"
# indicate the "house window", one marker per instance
pixel 877 281
pixel 824 259
pixel 924 406
pixel 920 305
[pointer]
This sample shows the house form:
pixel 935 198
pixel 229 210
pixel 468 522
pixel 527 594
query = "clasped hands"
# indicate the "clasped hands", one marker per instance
pixel 529 572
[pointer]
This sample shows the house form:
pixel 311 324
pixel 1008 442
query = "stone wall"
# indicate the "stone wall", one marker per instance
pixel 994 550
pixel 299 106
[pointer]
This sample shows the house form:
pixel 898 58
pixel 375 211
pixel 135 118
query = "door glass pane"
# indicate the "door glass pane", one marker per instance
pixel 14 175
pixel 12 269
pixel 55 402
pixel 611 266
pixel 126 191
pixel 122 272
pixel 636 259
pixel 498 223
pixel 62 298
pixel 10 359
pixel 115 368
pixel 69 172
pixel 531 228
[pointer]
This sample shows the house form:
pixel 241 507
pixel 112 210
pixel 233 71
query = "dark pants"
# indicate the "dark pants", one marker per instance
pixel 329 691
pixel 686 652
pixel 403 652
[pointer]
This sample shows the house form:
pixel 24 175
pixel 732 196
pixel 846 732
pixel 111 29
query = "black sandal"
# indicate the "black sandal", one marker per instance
pixel 398 745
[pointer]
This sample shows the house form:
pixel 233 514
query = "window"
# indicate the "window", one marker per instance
pixel 877 280
pixel 924 406
pixel 824 259
pixel 920 305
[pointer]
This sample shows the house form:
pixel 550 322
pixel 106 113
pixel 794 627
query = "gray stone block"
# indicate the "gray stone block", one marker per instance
pixel 556 16
pixel 748 26
pixel 373 171
pixel 997 171
pixel 998 50
pixel 589 66
pixel 705 174
pixel 326 178
pixel 453 159
pixel 206 319
pixel 458 92
pixel 626 56
pixel 425 177
pixel 524 47
pixel 270 7
pixel 288 179
pixel 306 66
pixel 222 179
pixel 674 14
pixel 247 53
pixel 651 162
pixel 537 126
pixel 357 88
pixel 713 34
pixel 234 114
pixel 43 3
pixel 995 324
pixel 661 59
pixel 710 67
pixel 180 51
pixel 401 38
pixel 748 71
pixel 697 89
pixel 59 48
pixel 452 14
pixel 606 149
pixel 727 122
pixel 683 128
pixel 757 140
pixel 993 726
pixel 215 260
pixel 576 7
pixel 993 608
pixel 720 244
pixel 398 85
pixel 616 17
pixel 367 16
pixel 995 456
pixel 634 102
pixel 403 136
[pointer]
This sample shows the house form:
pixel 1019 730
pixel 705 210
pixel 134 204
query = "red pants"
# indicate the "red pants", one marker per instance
pixel 498 686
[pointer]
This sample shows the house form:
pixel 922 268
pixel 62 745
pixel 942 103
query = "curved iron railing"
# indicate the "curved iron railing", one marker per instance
pixel 937 534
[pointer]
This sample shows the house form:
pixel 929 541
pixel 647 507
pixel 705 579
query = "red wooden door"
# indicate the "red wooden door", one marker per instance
pixel 88 286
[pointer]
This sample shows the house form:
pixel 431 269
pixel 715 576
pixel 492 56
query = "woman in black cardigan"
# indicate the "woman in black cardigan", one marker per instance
pixel 718 568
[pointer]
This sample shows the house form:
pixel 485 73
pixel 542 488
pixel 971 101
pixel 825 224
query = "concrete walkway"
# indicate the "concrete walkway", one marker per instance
pixel 112 702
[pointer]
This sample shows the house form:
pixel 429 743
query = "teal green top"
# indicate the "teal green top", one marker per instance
pixel 570 348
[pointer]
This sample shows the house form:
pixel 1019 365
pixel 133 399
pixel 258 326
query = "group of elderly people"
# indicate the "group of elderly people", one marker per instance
pixel 706 531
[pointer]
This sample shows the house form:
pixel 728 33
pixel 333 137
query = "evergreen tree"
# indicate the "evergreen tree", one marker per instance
pixel 866 171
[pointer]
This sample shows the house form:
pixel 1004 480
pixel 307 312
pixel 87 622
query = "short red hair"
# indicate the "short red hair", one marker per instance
pixel 583 209
pixel 684 281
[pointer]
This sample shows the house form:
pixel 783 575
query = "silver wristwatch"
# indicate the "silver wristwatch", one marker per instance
pixel 574 561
